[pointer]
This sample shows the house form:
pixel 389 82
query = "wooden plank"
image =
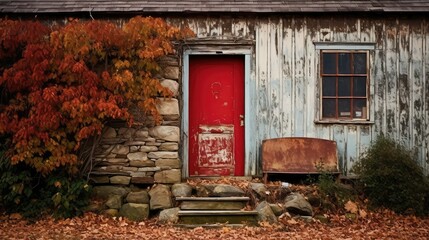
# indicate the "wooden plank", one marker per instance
pixel 416 108
pixel 287 78
pixel 391 74
pixel 274 77
pixel 311 78
pixel 404 84
pixel 299 88
pixel 262 79
pixel 339 132
pixel 425 157
pixel 379 80
pixel 351 147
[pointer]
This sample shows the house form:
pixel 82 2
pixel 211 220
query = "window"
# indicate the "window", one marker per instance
pixel 344 84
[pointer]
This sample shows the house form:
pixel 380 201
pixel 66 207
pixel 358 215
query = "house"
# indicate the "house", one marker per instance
pixel 340 70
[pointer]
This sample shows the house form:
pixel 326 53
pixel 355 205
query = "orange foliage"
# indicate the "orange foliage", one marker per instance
pixel 60 86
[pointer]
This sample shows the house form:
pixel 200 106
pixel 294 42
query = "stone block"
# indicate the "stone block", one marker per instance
pixel 181 190
pixel 126 132
pixel 109 132
pixel 134 149
pixel 120 180
pixel 141 156
pixel 168 106
pixel 149 169
pixel 138 197
pixel 167 133
pixel 135 211
pixel 163 154
pixel 172 163
pixel 103 192
pixel 172 85
pixel 114 201
pixel 100 179
pixel 148 149
pixel 121 149
pixel 142 180
pixel 160 197
pixel 168 176
pixel 170 215
pixel 169 146
pixel 171 72
pixel 141 134
pixel 142 163
pixel 117 161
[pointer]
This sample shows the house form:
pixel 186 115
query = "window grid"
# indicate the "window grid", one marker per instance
pixel 352 78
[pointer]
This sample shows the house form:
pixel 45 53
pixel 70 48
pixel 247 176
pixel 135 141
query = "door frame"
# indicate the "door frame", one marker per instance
pixel 245 51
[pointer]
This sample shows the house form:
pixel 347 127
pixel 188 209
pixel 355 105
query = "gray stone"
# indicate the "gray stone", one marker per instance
pixel 265 213
pixel 181 190
pixel 105 151
pixel 111 212
pixel 156 155
pixel 120 149
pixel 277 209
pixel 149 169
pixel 126 132
pixel 172 85
pixel 148 149
pixel 129 169
pixel 205 190
pixel 295 203
pixel 138 174
pixel 137 156
pixel 95 206
pixel 134 143
pixel 160 197
pixel 114 201
pixel 171 72
pixel 168 60
pixel 259 189
pixel 167 133
pixel 168 176
pixel 138 197
pixel 109 133
pixel 141 134
pixel 168 106
pixel 142 163
pixel 142 180
pixel 135 211
pixel 223 190
pixel 153 144
pixel 134 148
pixel 103 192
pixel 169 146
pixel 121 180
pixel 116 161
pixel 100 179
pixel 170 215
pixel 170 163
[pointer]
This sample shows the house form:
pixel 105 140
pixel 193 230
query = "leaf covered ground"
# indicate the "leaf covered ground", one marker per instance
pixel 382 225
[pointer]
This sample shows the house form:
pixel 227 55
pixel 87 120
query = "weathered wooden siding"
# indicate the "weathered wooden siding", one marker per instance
pixel 285 81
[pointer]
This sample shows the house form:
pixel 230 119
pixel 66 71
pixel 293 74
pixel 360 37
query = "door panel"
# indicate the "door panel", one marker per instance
pixel 216 110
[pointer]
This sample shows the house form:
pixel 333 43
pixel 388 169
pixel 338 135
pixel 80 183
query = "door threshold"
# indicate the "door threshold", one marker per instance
pixel 239 178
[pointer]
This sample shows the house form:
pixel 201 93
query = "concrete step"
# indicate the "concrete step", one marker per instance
pixel 216 217
pixel 212 203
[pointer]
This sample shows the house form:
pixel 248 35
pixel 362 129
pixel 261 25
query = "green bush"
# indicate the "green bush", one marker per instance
pixel 24 191
pixel 335 192
pixel 391 178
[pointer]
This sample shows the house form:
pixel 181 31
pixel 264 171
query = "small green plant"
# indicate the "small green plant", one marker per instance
pixel 24 191
pixel 391 178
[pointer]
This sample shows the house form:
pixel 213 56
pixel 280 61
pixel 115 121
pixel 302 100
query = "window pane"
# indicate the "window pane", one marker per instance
pixel 344 86
pixel 344 108
pixel 344 63
pixel 359 63
pixel 328 86
pixel 359 108
pixel 359 86
pixel 328 108
pixel 329 63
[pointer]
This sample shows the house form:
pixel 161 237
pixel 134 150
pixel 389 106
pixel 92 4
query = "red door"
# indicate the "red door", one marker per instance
pixel 216 110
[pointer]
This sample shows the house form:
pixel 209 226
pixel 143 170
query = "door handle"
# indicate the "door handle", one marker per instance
pixel 241 120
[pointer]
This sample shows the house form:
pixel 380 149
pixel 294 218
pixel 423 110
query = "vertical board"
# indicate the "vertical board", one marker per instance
pixel 287 78
pixel 404 85
pixel 299 88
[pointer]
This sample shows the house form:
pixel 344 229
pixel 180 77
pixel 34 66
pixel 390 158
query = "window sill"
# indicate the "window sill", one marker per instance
pixel 351 122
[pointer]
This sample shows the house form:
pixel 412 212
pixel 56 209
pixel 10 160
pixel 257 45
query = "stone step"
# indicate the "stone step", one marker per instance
pixel 213 217
pixel 212 203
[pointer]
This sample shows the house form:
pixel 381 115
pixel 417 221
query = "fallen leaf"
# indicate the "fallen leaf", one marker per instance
pixel 351 207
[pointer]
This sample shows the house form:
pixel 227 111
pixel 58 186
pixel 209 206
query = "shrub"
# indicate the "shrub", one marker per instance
pixel 25 191
pixel 391 178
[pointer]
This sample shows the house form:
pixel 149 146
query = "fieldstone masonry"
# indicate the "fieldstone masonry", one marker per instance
pixel 143 153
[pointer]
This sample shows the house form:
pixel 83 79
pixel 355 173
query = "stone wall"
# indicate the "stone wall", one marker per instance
pixel 143 153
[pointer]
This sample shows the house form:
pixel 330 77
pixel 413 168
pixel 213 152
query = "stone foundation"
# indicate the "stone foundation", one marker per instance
pixel 143 153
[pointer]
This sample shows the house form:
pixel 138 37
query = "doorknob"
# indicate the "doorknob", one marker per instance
pixel 241 120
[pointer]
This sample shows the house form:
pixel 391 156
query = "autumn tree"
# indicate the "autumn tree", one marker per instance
pixel 60 84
